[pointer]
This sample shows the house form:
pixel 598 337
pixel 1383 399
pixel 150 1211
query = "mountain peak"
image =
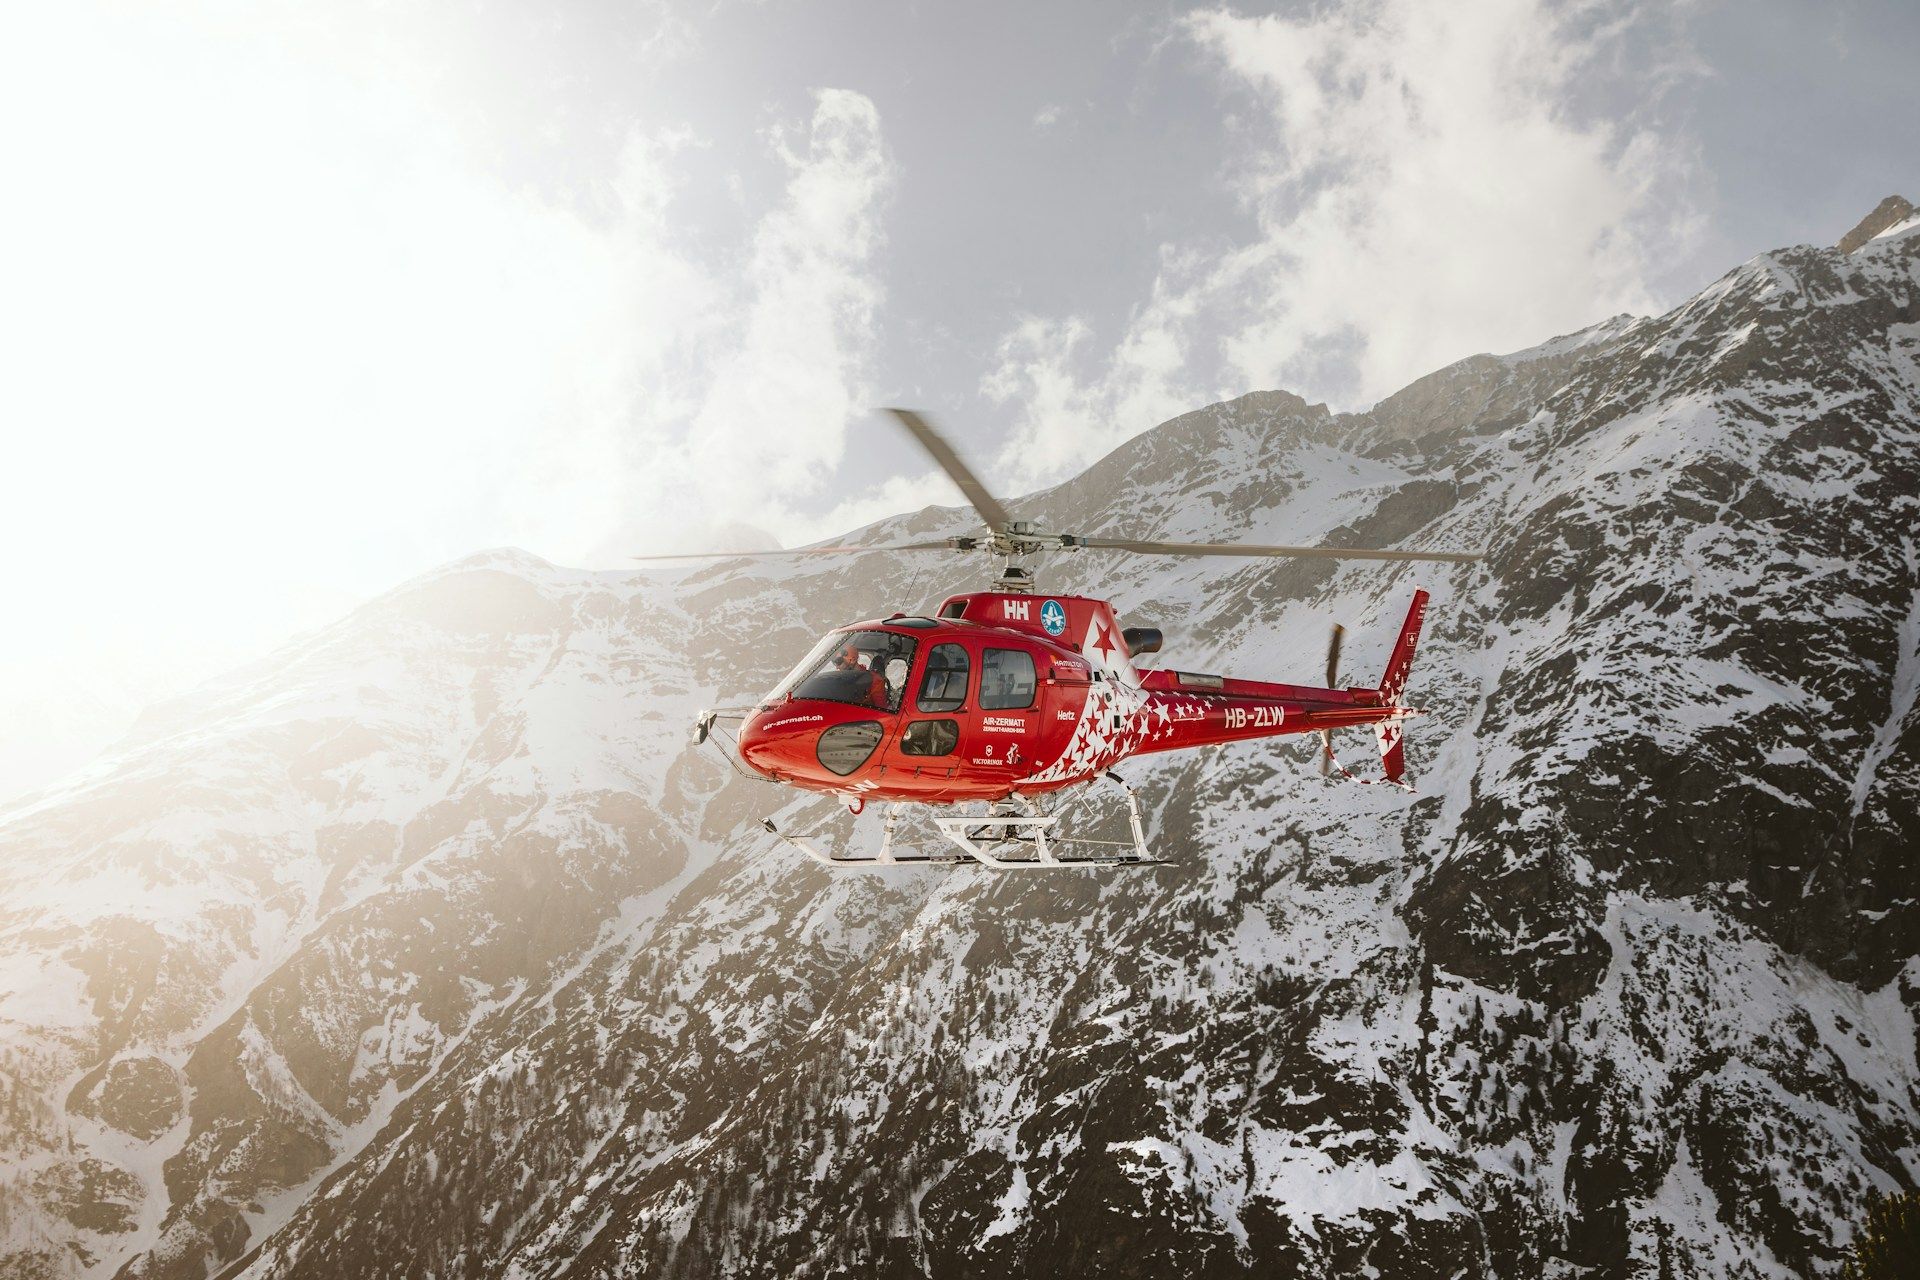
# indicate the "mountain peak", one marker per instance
pixel 506 559
pixel 1888 213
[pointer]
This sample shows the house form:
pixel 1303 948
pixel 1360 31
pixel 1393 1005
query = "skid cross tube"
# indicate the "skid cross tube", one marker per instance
pixel 975 836
pixel 961 831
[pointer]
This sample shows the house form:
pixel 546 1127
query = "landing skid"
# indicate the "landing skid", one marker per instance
pixel 1004 839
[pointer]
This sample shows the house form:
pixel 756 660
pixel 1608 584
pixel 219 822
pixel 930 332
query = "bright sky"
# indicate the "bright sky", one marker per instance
pixel 301 299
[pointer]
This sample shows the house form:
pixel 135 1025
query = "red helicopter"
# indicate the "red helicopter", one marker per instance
pixel 1012 699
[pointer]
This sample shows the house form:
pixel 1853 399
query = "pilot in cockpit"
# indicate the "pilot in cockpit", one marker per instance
pixel 853 680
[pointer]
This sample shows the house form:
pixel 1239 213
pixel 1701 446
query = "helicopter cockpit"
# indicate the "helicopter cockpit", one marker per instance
pixel 863 668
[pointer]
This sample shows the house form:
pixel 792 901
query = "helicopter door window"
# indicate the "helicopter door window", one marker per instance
pixel 930 738
pixel 944 687
pixel 865 668
pixel 1006 680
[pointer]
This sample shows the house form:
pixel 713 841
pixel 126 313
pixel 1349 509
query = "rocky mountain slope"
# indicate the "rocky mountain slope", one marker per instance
pixel 432 947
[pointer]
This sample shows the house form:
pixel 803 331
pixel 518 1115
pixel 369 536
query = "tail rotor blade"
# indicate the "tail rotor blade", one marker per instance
pixel 1334 642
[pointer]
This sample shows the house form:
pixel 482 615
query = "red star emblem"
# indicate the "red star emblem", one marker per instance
pixel 1103 639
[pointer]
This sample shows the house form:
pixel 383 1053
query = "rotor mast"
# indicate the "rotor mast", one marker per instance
pixel 1012 545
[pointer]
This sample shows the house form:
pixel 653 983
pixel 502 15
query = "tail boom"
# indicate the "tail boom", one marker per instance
pixel 1182 709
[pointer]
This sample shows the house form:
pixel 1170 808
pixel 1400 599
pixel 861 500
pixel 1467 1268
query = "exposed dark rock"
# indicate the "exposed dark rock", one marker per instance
pixel 1888 213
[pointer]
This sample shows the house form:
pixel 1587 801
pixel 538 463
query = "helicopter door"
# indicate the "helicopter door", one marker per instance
pixel 1002 732
pixel 930 736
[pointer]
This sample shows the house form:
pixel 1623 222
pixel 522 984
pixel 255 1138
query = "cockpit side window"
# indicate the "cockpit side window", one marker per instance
pixel 944 686
pixel 865 668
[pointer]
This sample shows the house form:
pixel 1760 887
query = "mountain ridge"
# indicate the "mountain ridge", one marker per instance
pixel 464 964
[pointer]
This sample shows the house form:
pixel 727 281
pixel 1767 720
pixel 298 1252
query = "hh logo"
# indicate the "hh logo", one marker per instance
pixel 1015 609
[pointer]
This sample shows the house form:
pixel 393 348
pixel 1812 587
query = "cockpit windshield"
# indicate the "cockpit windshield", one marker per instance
pixel 865 668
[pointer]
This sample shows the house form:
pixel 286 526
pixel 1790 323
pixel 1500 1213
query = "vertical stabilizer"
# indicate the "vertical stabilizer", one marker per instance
pixel 1104 643
pixel 1391 733
pixel 1394 683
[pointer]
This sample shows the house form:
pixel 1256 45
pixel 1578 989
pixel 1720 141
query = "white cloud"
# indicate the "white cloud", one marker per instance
pixel 1067 420
pixel 733 440
pixel 780 401
pixel 1427 184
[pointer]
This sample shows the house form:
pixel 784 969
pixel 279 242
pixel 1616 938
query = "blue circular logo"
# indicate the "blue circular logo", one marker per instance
pixel 1053 616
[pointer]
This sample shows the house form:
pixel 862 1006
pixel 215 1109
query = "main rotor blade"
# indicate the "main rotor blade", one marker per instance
pixel 1247 549
pixel 783 553
pixel 942 453
pixel 1333 654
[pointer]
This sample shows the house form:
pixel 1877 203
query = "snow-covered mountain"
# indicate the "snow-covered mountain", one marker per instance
pixel 431 946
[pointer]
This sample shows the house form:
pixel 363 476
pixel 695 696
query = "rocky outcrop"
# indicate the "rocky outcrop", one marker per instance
pixel 1889 213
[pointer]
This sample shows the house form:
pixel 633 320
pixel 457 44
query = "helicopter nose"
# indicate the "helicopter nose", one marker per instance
pixel 807 745
pixel 768 740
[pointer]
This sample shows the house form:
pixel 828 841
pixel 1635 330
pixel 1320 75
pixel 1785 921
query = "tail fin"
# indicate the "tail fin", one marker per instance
pixel 1393 753
pixel 1394 683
